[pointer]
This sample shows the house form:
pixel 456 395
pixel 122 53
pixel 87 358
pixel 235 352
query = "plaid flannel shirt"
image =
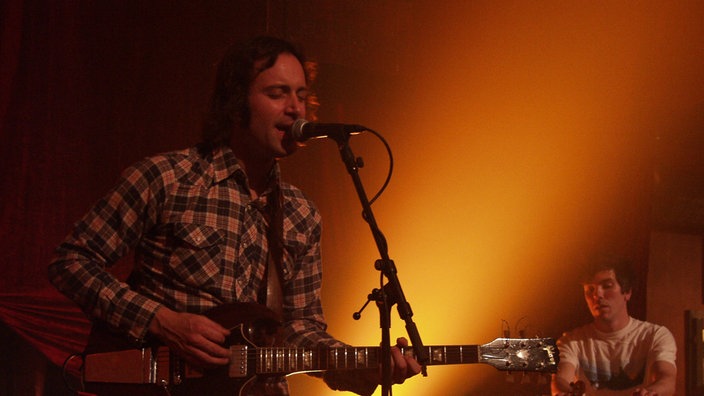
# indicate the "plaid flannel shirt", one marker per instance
pixel 199 241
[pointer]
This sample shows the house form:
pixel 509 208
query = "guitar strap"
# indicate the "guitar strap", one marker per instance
pixel 274 265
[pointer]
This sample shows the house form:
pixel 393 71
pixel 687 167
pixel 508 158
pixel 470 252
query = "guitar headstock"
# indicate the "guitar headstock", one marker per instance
pixel 521 354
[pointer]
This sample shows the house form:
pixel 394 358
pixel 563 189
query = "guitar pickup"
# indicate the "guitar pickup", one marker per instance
pixel 238 361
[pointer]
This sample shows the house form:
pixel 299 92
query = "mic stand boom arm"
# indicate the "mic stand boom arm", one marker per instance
pixel 391 292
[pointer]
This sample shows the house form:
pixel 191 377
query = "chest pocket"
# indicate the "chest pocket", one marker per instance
pixel 197 253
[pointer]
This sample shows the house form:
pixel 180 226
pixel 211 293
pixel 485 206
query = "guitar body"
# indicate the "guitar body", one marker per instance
pixel 251 325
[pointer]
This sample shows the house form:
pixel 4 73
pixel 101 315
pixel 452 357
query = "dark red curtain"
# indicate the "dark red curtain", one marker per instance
pixel 87 88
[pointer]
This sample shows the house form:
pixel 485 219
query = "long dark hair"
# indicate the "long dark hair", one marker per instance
pixel 228 105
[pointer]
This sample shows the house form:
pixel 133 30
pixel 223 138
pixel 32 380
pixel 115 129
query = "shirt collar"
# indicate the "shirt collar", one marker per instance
pixel 225 165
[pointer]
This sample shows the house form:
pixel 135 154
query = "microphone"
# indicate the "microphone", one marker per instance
pixel 302 130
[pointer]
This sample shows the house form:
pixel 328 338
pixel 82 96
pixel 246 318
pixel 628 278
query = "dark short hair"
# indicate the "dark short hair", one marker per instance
pixel 622 267
pixel 236 72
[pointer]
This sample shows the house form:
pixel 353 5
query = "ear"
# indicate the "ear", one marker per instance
pixel 628 295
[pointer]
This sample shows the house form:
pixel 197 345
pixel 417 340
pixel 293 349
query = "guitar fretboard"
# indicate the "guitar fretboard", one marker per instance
pixel 272 360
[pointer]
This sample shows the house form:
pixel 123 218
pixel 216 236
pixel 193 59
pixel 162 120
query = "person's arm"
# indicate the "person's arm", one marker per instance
pixel 663 380
pixel 663 371
pixel 111 228
pixel 563 382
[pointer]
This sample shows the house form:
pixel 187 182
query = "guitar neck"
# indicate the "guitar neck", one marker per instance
pixel 503 353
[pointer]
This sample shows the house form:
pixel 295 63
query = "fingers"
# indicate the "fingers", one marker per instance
pixel 399 366
pixel 403 365
pixel 195 337
pixel 203 340
pixel 209 329
pixel 204 355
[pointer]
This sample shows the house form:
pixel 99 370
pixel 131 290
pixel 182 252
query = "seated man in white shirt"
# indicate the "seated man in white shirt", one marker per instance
pixel 615 354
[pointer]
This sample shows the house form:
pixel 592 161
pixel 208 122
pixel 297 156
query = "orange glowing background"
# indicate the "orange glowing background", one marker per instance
pixel 523 134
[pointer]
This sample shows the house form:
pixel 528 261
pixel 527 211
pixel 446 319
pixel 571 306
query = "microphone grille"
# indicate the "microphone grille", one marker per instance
pixel 297 128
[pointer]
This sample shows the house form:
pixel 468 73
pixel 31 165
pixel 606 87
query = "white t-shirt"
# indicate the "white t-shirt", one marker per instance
pixel 615 362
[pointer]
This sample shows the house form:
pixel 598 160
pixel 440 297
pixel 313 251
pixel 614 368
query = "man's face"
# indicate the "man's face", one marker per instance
pixel 605 298
pixel 276 99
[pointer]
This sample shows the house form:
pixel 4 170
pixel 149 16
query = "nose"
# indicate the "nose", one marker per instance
pixel 598 292
pixel 296 107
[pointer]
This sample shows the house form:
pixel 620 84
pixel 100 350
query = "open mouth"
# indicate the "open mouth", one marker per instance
pixel 284 129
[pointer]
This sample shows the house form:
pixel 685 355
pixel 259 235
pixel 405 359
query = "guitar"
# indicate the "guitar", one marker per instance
pixel 110 370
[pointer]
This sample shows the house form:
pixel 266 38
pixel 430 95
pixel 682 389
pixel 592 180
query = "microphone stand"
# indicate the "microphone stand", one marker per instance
pixel 391 293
